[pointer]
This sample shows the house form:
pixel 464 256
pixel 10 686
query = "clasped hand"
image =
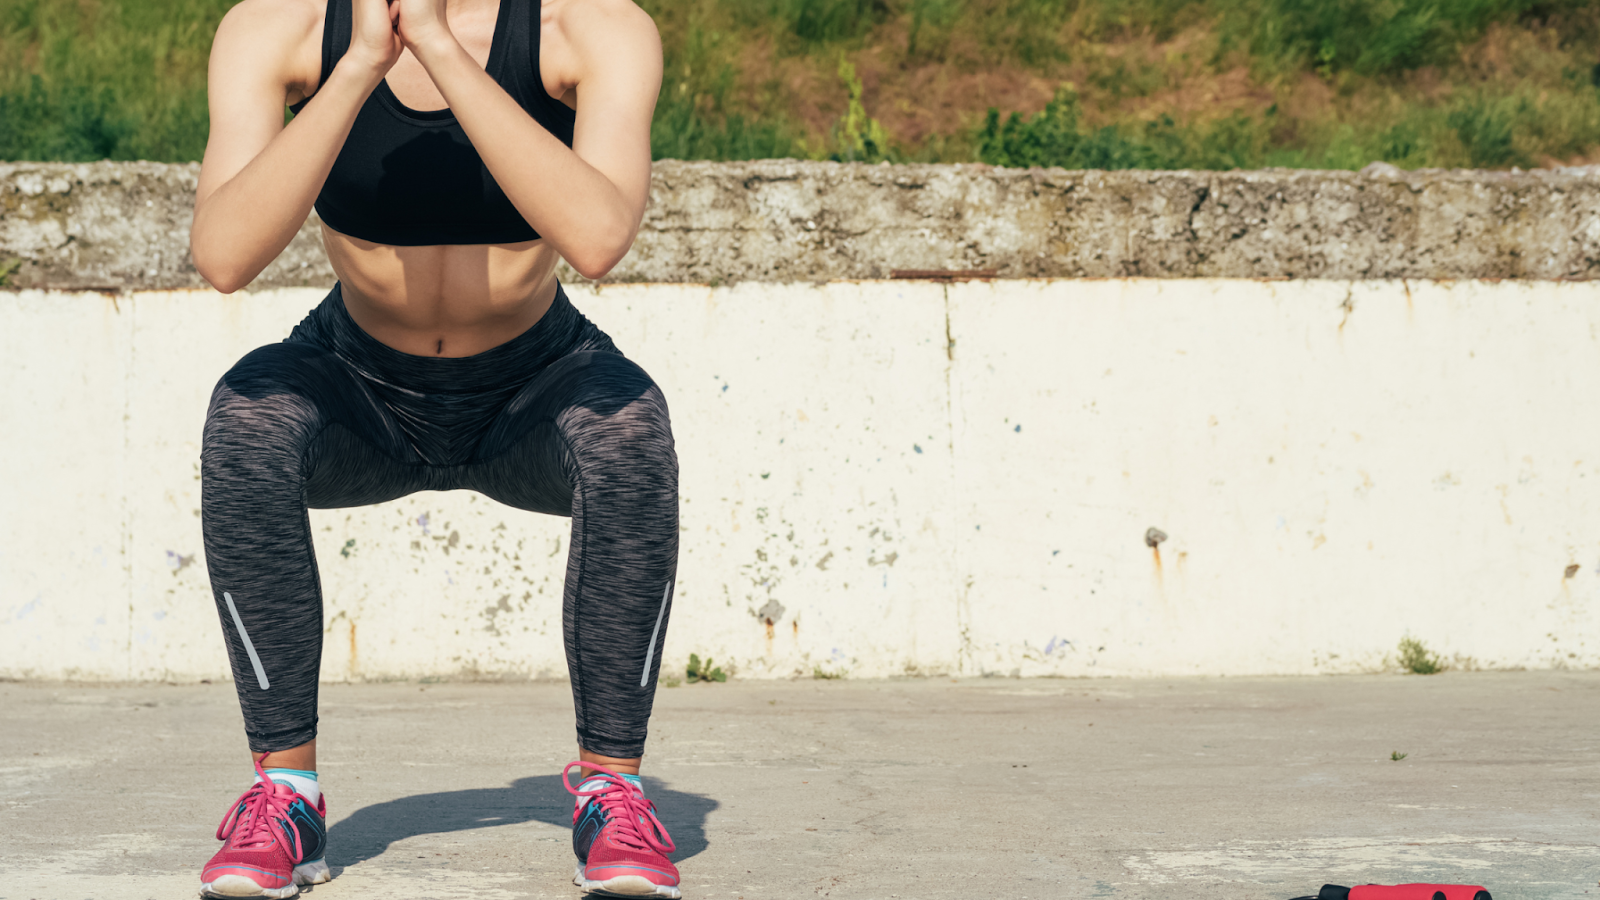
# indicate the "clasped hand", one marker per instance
pixel 380 29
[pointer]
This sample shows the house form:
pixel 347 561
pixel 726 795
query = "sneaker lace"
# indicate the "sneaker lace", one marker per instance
pixel 625 804
pixel 250 823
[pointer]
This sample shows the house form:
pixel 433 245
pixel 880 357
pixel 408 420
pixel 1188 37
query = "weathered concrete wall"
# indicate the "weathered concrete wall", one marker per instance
pixel 901 476
pixel 125 225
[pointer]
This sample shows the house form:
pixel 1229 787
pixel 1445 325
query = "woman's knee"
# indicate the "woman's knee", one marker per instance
pixel 261 406
pixel 619 418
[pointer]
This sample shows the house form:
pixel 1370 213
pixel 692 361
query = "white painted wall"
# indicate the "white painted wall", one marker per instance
pixel 925 479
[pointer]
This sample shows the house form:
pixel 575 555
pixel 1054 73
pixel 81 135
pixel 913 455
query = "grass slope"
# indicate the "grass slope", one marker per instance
pixel 1080 83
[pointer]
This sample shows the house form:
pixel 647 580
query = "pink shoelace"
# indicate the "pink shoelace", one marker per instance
pixel 637 825
pixel 250 820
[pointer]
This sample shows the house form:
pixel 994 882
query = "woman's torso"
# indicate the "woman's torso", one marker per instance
pixel 448 299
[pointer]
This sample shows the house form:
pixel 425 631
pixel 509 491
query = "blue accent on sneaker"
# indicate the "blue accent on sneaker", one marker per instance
pixel 303 773
pixel 312 827
pixel 588 826
pixel 587 829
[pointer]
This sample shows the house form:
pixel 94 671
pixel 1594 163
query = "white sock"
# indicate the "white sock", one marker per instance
pixel 303 781
pixel 593 784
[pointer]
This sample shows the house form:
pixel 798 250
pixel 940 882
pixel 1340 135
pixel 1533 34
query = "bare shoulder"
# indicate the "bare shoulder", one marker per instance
pixel 601 19
pixel 283 35
pixel 274 18
pixel 601 32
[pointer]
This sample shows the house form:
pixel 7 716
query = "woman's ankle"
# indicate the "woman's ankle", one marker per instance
pixel 620 765
pixel 301 757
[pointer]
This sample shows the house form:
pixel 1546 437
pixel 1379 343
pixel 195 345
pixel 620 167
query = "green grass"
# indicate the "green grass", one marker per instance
pixel 111 80
pixel 1209 84
pixel 1057 137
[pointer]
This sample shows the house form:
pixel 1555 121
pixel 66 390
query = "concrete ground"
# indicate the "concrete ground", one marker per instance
pixel 1225 788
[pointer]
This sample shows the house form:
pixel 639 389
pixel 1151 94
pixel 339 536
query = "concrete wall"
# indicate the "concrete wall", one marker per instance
pixel 904 477
pixel 125 226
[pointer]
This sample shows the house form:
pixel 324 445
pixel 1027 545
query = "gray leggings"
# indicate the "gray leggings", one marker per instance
pixel 554 421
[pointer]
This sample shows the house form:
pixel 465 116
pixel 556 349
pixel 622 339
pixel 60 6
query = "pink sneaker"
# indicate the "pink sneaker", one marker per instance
pixel 274 841
pixel 622 847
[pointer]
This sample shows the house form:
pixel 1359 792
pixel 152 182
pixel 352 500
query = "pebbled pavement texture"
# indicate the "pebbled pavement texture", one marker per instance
pixel 1170 788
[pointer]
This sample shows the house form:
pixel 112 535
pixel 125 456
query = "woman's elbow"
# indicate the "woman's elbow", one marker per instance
pixel 218 273
pixel 225 287
pixel 595 262
pixel 592 270
pixel 223 281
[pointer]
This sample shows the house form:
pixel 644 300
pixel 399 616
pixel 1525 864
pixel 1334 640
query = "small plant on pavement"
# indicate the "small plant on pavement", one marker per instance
pixel 1417 659
pixel 704 670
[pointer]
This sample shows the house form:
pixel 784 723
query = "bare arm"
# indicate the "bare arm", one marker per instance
pixel 586 201
pixel 260 178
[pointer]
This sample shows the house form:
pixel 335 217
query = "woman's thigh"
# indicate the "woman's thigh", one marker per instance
pixel 295 418
pixel 593 419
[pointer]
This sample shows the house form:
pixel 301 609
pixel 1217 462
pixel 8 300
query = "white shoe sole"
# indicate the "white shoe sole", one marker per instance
pixel 626 886
pixel 230 887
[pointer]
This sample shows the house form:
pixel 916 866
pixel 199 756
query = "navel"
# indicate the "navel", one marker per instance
pixel 440 349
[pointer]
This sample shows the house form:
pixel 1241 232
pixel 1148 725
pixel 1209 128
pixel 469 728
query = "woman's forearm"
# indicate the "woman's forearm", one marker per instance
pixel 244 224
pixel 573 206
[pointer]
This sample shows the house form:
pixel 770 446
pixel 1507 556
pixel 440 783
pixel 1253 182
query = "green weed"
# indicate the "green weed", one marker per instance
pixel 704 671
pixel 857 136
pixel 1417 659
pixel 822 674
pixel 8 268
pixel 1396 756
pixel 1057 137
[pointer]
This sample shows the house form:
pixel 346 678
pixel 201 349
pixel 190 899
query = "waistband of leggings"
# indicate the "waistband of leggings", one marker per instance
pixel 559 332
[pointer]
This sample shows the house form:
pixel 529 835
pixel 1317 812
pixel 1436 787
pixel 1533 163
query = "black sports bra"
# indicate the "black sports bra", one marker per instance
pixel 410 177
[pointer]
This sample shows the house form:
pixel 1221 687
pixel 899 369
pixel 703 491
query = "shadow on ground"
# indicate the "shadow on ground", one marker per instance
pixel 369 831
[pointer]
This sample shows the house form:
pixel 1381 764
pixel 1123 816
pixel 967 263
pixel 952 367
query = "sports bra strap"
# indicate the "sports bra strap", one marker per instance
pixel 337 27
pixel 336 30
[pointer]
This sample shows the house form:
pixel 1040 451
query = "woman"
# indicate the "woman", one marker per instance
pixel 455 151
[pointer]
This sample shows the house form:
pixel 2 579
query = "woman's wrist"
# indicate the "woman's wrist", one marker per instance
pixel 364 72
pixel 435 47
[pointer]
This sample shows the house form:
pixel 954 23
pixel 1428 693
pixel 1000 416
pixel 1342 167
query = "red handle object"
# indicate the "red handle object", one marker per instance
pixel 1418 892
